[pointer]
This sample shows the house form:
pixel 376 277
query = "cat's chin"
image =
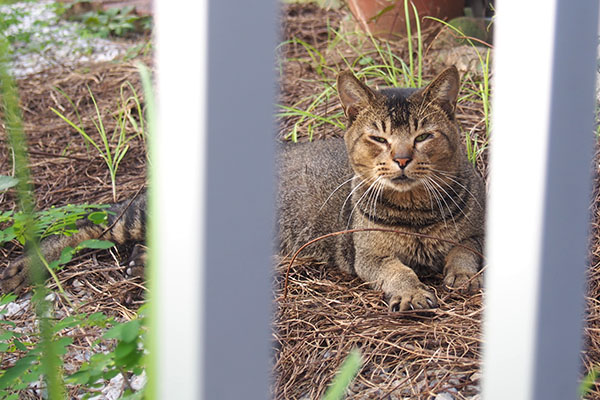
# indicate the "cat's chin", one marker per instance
pixel 402 183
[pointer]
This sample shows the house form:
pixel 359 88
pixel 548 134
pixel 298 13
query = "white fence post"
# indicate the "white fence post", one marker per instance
pixel 213 184
pixel 543 142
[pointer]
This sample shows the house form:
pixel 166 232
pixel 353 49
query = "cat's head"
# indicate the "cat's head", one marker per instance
pixel 402 136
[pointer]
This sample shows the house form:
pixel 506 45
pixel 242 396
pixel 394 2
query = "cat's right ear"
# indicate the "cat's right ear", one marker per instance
pixel 354 95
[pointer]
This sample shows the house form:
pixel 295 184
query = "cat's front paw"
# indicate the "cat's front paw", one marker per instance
pixel 463 279
pixel 415 298
pixel 137 261
pixel 15 277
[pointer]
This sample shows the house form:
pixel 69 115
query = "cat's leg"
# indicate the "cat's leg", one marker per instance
pixel 462 265
pixel 137 261
pixel 399 282
pixel 15 277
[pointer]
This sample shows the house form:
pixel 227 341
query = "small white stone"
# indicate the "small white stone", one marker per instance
pixel 476 376
pixel 16 307
pixel 444 396
pixel 138 381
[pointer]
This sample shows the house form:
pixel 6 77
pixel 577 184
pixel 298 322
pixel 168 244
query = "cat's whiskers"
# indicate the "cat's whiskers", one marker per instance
pixel 335 190
pixel 436 184
pixel 374 198
pixel 436 196
pixel 434 187
pixel 370 202
pixel 453 177
pixel 361 198
pixel 426 186
pixel 433 177
pixel 351 193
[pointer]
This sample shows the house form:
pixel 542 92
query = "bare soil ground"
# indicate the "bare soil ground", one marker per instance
pixel 326 313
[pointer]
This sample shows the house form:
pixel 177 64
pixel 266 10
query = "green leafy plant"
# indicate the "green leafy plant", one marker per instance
pixel 10 20
pixel 30 366
pixel 115 21
pixel 418 82
pixel 26 37
pixel 54 221
pixel 111 148
pixel 14 129
pixel 6 182
pixel 127 356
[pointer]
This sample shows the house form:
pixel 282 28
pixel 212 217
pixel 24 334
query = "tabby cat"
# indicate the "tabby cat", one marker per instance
pixel 126 222
pixel 401 164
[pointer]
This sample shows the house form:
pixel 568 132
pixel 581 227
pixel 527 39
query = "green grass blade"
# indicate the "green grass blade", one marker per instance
pixel 80 131
pixel 419 47
pixel 297 111
pixel 150 391
pixel 588 382
pixel 59 90
pixel 344 377
pixel 313 53
pixel 409 39
pixel 51 362
pixel 101 130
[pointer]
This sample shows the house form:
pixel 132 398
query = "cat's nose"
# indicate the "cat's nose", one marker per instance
pixel 402 162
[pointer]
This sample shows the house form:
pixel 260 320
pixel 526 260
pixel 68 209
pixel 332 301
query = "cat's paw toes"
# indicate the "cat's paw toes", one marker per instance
pixel 463 282
pixel 136 262
pixel 14 278
pixel 419 298
pixel 135 271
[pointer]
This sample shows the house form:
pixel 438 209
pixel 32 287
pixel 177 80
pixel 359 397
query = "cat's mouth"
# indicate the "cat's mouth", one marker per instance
pixel 402 178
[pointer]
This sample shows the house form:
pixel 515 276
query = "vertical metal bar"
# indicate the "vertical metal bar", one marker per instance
pixel 545 59
pixel 239 199
pixel 214 192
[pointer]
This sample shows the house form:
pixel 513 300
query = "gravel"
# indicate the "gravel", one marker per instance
pixel 42 40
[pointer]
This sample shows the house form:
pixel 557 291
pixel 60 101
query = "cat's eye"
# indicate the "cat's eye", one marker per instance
pixel 378 139
pixel 423 137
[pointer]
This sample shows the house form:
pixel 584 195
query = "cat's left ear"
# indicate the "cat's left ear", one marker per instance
pixel 444 89
pixel 354 95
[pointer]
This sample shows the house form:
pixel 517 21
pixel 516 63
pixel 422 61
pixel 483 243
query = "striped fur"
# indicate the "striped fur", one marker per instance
pixel 126 223
pixel 402 165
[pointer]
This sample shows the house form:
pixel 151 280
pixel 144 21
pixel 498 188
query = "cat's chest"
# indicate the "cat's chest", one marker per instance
pixel 415 247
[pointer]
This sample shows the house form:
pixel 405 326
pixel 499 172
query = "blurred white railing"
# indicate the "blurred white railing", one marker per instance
pixel 538 220
pixel 214 185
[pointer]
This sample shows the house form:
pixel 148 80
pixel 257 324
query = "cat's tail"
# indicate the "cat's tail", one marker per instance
pixel 125 222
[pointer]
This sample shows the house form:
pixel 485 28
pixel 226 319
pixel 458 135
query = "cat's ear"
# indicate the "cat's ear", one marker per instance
pixel 354 95
pixel 444 89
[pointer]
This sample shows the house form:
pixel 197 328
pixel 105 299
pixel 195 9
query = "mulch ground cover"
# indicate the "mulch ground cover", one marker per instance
pixel 326 313
pixel 64 170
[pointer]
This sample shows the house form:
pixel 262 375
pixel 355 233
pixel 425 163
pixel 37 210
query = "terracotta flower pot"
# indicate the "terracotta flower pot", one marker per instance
pixel 386 18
